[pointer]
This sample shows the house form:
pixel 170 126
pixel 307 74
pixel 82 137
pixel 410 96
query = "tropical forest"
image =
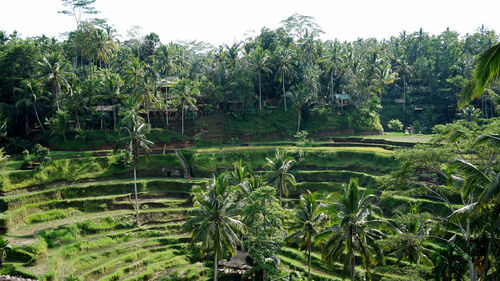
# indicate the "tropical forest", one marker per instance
pixel 282 156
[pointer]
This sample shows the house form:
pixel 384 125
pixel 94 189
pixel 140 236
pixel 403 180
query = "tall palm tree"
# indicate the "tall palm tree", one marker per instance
pixel 111 87
pixel 166 66
pixel 55 72
pixel 77 101
pixel 259 61
pixel 186 91
pixel 215 219
pixel 487 70
pixel 135 128
pixel 284 69
pixel 278 171
pixel 32 91
pixel 353 233
pixel 308 219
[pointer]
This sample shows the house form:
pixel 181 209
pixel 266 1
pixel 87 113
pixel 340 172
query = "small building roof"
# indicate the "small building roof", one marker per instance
pixel 342 96
pixel 104 108
pixel 238 261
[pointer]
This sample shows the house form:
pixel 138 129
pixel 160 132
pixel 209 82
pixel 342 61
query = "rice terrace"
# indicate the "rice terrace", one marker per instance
pixel 286 155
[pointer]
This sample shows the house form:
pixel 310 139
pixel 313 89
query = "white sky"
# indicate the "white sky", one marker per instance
pixel 226 21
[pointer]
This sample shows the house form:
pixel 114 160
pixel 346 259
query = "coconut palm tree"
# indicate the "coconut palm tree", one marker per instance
pixel 412 231
pixel 259 61
pixel 214 219
pixel 55 71
pixel 186 92
pixel 278 171
pixel 284 69
pixel 450 264
pixel 166 66
pixel 134 128
pixel 239 174
pixel 308 219
pixel 32 91
pixel 487 70
pixel 111 87
pixel 353 234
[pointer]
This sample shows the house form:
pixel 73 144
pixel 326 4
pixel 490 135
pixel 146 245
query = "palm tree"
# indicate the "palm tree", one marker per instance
pixel 278 173
pixel 487 70
pixel 308 220
pixel 353 233
pixel 239 174
pixel 284 69
pixel 186 91
pixel 214 219
pixel 111 87
pixel 412 231
pixel 450 264
pixel 55 71
pixel 133 125
pixel 77 101
pixel 165 64
pixel 32 89
pixel 259 61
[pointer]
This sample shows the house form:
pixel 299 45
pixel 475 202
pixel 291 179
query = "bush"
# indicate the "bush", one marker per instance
pixel 123 160
pixel 40 153
pixel 395 125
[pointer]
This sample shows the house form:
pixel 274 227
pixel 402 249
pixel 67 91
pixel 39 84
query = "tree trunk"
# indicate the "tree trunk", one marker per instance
pixel 166 106
pixel 353 264
pixel 136 200
pixel 404 93
pixel 114 116
pixel 284 93
pixel 182 118
pixel 77 120
pixel 216 273
pixel 146 106
pixel 309 261
pixel 298 119
pixel 38 118
pixel 260 94
pixel 26 121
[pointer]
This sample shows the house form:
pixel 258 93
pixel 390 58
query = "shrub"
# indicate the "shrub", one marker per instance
pixel 123 160
pixel 40 153
pixel 395 125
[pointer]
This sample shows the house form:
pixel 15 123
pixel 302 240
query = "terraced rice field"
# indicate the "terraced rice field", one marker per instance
pixel 85 227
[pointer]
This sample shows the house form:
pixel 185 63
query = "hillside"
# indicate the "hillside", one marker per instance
pixel 76 214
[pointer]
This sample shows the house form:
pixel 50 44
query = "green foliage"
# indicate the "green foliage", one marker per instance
pixel 123 160
pixel 395 125
pixel 263 217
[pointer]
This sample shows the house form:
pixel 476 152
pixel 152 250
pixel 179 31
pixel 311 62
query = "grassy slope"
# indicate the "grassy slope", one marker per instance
pixel 75 220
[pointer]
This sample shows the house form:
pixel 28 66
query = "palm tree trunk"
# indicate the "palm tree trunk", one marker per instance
pixel 182 118
pixel 77 120
pixel 38 118
pixel 215 267
pixel 353 265
pixel 309 261
pixel 260 94
pixel 284 93
pixel 114 116
pixel 298 120
pixel 26 121
pixel 136 200
pixel 166 106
